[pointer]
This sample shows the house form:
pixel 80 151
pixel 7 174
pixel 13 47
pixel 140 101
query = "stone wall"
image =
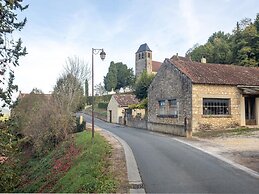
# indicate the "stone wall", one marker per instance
pixel 169 83
pixel 167 128
pixel 137 123
pixel 200 121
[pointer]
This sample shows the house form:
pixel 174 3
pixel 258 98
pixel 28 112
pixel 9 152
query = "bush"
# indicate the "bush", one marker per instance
pixel 103 105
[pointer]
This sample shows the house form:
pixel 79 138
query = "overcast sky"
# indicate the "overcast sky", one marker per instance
pixel 58 29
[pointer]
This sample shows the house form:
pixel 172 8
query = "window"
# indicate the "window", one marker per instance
pixel 173 109
pixel 148 55
pixel 139 56
pixel 142 55
pixel 162 107
pixel 216 106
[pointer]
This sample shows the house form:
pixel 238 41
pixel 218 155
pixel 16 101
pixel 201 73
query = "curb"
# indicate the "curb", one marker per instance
pixel 134 178
pixel 234 164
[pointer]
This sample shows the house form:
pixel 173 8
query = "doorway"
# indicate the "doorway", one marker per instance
pixel 110 113
pixel 250 110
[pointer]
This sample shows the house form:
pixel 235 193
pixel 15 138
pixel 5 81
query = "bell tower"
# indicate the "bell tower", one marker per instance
pixel 143 60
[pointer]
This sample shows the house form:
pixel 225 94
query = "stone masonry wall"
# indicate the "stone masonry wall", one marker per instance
pixel 169 83
pixel 200 121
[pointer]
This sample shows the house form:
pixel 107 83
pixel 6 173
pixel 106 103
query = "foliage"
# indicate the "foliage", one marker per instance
pixel 99 89
pixel 118 76
pixel 69 93
pixel 103 105
pixel 10 50
pixel 142 84
pixel 86 88
pixel 9 178
pixel 78 160
pixel 69 90
pixel 240 48
pixel 39 122
pixel 142 105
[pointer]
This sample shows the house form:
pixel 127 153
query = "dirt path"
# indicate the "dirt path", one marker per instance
pixel 242 149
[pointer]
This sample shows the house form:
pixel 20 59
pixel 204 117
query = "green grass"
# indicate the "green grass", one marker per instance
pixel 87 171
pixel 100 113
pixel 225 133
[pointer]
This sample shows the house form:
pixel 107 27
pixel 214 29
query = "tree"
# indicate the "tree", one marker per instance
pixel 10 50
pixel 99 89
pixel 69 89
pixel 240 48
pixel 69 93
pixel 40 123
pixel 142 84
pixel 110 80
pixel 86 88
pixel 118 76
pixel 78 68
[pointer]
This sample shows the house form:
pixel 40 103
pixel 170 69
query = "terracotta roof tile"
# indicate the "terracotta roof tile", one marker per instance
pixel 126 99
pixel 156 65
pixel 208 73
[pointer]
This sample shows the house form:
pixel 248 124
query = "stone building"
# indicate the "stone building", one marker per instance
pixel 118 108
pixel 144 61
pixel 187 96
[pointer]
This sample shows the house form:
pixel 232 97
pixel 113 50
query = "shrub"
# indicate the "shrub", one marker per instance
pixel 103 105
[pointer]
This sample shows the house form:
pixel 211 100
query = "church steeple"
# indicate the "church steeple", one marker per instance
pixel 143 60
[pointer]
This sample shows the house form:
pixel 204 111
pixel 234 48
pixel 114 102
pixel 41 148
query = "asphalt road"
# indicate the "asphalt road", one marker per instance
pixel 168 166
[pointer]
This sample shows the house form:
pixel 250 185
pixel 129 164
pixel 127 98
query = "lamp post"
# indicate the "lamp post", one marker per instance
pixel 102 55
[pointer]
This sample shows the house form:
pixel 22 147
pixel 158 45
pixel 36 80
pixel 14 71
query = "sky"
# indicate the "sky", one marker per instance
pixel 58 29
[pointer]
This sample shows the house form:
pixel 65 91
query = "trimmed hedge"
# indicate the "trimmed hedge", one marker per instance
pixel 103 105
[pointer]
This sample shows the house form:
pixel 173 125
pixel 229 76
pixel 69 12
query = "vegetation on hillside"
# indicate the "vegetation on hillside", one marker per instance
pixel 75 166
pixel 241 47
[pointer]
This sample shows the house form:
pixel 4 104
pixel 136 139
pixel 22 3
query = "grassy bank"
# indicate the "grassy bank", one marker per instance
pixel 76 166
pixel 225 133
pixel 100 113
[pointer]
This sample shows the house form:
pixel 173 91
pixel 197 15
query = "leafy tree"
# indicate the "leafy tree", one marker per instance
pixel 142 84
pixel 110 80
pixel 118 76
pixel 240 48
pixel 10 50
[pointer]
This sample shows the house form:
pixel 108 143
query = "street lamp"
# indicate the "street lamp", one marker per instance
pixel 102 55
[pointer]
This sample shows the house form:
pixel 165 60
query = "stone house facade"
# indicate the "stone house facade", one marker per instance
pixel 188 96
pixel 118 108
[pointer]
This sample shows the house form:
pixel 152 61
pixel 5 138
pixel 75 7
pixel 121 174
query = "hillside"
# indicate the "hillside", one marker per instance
pixel 75 166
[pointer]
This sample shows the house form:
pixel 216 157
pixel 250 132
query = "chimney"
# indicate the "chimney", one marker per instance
pixel 203 60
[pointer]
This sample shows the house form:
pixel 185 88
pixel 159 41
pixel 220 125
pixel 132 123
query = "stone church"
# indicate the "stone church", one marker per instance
pixel 144 61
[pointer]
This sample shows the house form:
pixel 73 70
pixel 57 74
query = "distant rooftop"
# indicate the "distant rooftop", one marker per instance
pixel 143 47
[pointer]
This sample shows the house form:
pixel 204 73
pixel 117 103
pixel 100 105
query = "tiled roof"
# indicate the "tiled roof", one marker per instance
pixel 126 99
pixel 208 73
pixel 143 47
pixel 155 66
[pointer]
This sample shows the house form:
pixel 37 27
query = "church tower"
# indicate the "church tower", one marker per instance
pixel 143 60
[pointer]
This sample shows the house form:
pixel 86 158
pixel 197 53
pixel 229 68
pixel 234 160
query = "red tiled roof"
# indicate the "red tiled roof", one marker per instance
pixel 126 99
pixel 155 66
pixel 208 73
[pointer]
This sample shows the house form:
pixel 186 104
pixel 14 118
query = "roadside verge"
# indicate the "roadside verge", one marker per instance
pixel 135 182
